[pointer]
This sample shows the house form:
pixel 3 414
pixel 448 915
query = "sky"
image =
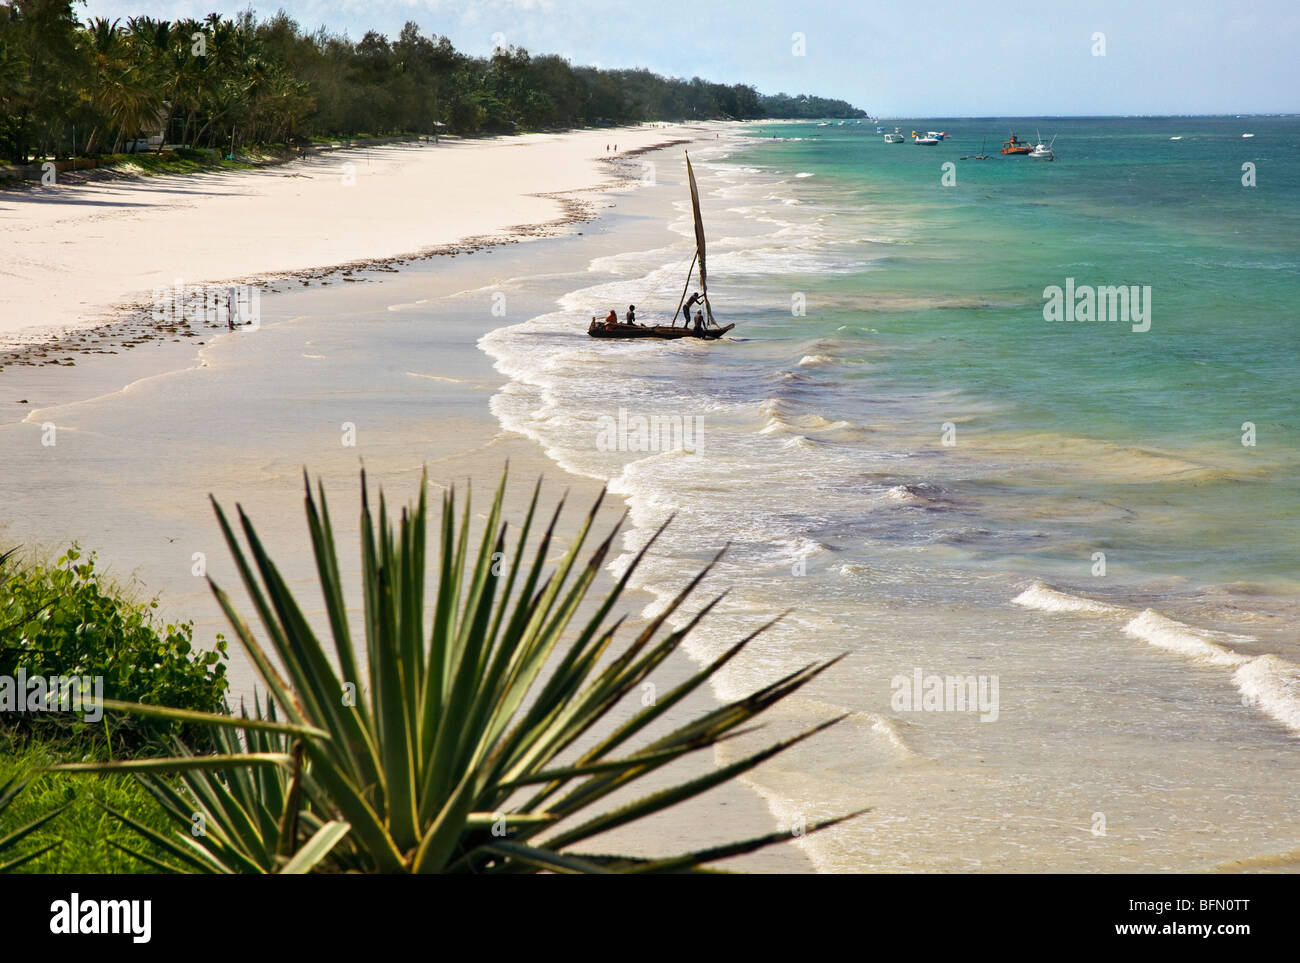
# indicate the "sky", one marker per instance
pixel 893 58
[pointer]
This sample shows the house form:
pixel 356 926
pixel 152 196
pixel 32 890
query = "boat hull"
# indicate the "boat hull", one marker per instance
pixel 661 331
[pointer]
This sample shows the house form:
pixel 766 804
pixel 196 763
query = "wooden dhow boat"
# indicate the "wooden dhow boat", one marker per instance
pixel 602 328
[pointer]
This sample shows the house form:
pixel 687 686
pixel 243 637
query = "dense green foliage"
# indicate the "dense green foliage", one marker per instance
pixel 62 619
pixel 68 88
pixel 804 107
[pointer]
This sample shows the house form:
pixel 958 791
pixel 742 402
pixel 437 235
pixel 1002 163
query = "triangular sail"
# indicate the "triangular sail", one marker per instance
pixel 699 239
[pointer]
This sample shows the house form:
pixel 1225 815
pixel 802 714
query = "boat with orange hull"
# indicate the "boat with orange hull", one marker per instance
pixel 1014 146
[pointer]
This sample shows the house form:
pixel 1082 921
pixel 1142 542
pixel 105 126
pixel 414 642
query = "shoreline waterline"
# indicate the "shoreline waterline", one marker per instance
pixel 909 554
pixel 1158 693
pixel 398 360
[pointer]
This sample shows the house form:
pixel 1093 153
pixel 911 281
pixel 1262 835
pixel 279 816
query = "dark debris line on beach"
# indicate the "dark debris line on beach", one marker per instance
pixel 136 326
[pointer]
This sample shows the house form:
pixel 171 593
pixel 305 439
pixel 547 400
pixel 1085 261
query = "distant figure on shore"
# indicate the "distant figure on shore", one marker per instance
pixel 699 324
pixel 631 314
pixel 690 303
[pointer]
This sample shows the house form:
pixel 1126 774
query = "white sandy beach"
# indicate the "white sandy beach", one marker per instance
pixel 71 256
pixel 413 379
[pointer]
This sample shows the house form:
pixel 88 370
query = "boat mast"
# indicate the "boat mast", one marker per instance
pixel 699 240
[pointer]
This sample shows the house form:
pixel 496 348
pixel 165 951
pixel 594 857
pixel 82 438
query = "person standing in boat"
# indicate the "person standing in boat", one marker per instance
pixel 699 324
pixel 631 314
pixel 690 303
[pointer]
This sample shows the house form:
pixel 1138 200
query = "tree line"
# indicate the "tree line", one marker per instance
pixel 70 88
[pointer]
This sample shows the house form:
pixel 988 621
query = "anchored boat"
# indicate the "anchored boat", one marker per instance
pixel 1043 152
pixel 710 331
pixel 1014 146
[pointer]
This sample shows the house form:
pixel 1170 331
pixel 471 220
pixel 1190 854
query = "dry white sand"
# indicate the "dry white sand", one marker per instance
pixel 71 256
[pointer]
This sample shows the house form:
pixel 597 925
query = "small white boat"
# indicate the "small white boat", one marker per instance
pixel 1043 151
pixel 1176 138
pixel 895 138
pixel 927 141
pixel 1247 135
pixel 937 134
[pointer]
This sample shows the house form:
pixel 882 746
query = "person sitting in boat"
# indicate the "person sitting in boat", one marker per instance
pixel 690 303
pixel 699 324
pixel 631 314
pixel 611 320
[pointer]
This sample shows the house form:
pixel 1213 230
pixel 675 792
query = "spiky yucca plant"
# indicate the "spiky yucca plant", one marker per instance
pixel 8 792
pixel 453 748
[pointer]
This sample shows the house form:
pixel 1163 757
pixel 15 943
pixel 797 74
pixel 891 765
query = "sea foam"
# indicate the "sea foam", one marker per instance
pixel 1272 684
pixel 1047 599
pixel 1198 644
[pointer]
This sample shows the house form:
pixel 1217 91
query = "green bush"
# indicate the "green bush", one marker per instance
pixel 63 619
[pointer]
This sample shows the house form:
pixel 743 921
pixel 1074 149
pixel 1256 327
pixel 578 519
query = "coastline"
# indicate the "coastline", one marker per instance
pixel 401 359
pixel 825 472
pixel 330 216
pixel 155 517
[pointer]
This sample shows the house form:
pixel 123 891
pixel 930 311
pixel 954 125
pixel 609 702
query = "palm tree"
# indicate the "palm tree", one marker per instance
pixel 482 735
pixel 164 57
pixel 121 92
pixel 221 79
pixel 103 40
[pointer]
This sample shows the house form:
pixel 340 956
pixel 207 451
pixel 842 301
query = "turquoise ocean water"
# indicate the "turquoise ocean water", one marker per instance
pixel 903 451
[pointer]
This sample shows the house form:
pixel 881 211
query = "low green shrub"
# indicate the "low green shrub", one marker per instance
pixel 64 619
